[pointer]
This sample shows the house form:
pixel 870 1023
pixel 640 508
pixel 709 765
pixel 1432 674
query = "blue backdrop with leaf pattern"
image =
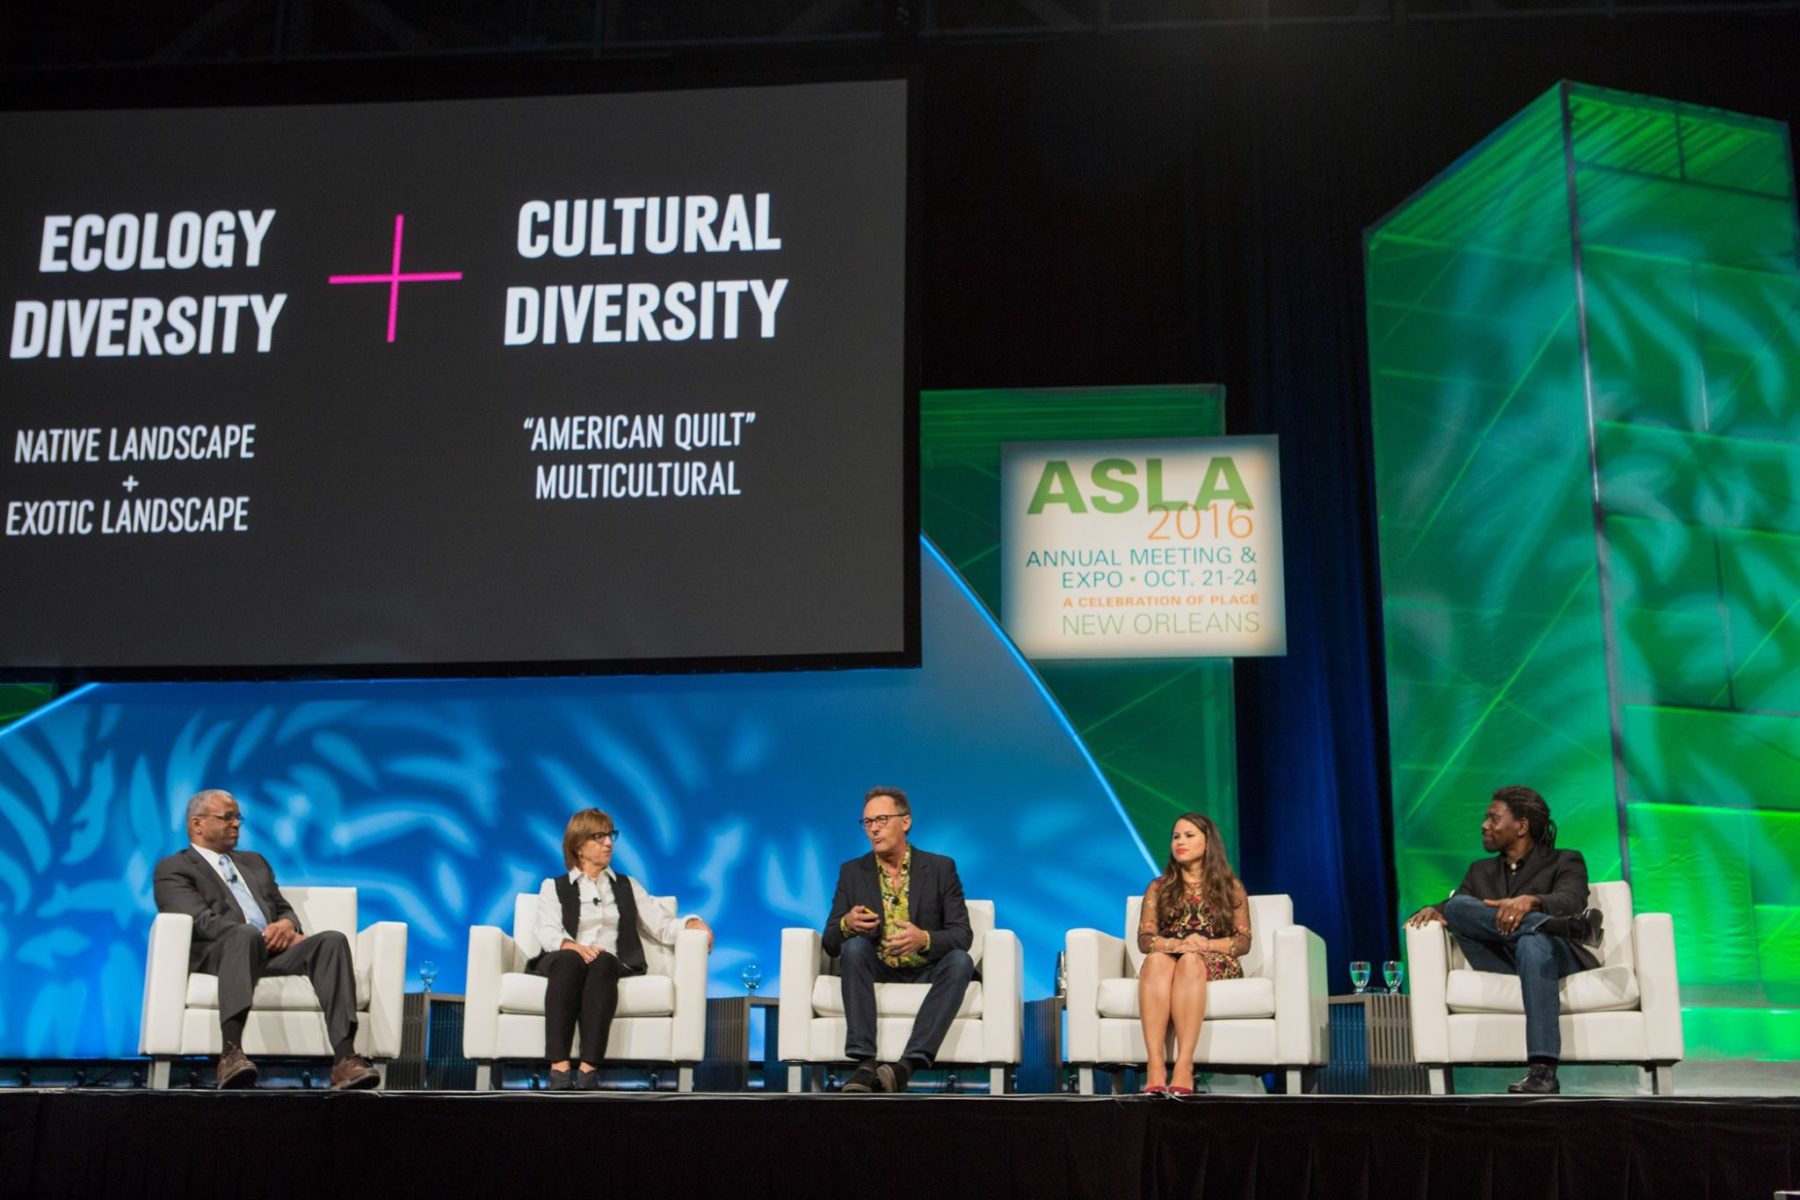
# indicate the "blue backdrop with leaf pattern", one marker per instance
pixel 440 800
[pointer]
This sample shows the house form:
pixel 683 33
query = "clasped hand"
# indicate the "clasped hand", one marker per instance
pixel 907 938
pixel 1511 911
pixel 279 935
pixel 588 953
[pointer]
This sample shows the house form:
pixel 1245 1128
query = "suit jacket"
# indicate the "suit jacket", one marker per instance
pixel 1558 878
pixel 186 883
pixel 934 901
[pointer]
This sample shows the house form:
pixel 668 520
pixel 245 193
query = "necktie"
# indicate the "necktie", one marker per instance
pixel 253 912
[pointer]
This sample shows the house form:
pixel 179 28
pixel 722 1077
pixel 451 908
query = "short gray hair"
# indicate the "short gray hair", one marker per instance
pixel 202 798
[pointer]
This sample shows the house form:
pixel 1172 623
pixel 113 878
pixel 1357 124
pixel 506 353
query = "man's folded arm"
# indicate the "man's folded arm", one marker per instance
pixel 834 924
pixel 1568 892
pixel 280 909
pixel 176 892
pixel 955 935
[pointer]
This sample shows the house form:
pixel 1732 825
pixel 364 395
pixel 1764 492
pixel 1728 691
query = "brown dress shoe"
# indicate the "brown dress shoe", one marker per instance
pixel 354 1072
pixel 236 1071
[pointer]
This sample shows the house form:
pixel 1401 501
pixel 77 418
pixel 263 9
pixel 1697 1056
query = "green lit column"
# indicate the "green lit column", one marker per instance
pixel 1585 360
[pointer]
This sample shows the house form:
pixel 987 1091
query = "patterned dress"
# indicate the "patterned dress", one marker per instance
pixel 1195 916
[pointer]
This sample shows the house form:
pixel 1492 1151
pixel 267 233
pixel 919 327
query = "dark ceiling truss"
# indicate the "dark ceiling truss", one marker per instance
pixel 121 32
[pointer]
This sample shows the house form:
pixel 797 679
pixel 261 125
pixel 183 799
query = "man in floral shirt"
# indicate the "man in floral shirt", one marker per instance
pixel 898 917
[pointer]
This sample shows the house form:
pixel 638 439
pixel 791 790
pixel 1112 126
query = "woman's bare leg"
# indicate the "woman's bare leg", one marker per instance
pixel 1187 1003
pixel 1154 993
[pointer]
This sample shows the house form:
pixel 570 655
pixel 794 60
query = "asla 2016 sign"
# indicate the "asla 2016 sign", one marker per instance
pixel 1147 549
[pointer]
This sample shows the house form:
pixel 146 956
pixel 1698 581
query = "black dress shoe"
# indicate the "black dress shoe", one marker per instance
pixel 1588 929
pixel 562 1081
pixel 893 1076
pixel 1539 1081
pixel 862 1080
pixel 587 1081
pixel 1584 929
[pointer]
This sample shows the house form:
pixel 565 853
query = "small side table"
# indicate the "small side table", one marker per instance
pixel 727 1066
pixel 431 1045
pixel 1371 1048
pixel 1041 1066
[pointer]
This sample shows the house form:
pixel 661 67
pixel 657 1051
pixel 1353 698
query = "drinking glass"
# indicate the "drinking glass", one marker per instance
pixel 1359 975
pixel 1393 973
pixel 752 977
pixel 428 973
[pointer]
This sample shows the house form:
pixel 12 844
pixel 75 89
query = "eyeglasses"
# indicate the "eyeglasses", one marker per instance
pixel 610 835
pixel 236 818
pixel 880 821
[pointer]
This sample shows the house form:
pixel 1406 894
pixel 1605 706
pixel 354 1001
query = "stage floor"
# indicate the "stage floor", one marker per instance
pixel 120 1142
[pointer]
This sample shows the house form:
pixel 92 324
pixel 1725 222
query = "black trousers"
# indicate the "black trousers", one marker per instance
pixel 588 991
pixel 239 959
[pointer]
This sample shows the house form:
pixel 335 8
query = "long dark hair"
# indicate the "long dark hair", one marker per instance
pixel 1219 885
pixel 1527 806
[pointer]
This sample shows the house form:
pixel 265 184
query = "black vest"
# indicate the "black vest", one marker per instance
pixel 631 945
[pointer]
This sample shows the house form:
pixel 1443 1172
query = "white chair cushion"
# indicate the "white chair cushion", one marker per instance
pixel 276 992
pixel 1607 989
pixel 1225 998
pixel 639 995
pixel 891 999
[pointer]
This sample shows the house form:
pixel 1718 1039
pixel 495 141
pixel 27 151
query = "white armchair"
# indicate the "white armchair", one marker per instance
pixel 181 1009
pixel 986 1031
pixel 1274 1018
pixel 1627 1010
pixel 661 1016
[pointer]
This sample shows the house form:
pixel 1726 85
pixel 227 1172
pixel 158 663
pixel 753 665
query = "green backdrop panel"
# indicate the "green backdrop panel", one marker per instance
pixel 1585 358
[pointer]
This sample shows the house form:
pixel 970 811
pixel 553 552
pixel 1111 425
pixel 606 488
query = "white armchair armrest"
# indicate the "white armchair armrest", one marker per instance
pixel 491 955
pixel 802 952
pixel 1302 1007
pixel 382 947
pixel 1002 997
pixel 687 1042
pixel 1428 967
pixel 165 984
pixel 1653 949
pixel 1089 957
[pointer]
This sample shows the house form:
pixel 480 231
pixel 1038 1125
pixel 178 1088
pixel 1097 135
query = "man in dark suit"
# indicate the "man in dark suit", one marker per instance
pixel 1524 912
pixel 244 929
pixel 898 917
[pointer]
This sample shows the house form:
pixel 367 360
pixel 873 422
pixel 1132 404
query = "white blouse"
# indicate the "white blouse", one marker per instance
pixel 599 921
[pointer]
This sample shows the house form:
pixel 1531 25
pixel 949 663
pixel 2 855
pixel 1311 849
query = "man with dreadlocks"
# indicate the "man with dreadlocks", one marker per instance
pixel 1524 912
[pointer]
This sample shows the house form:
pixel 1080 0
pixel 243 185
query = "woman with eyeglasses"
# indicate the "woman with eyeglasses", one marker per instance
pixel 1194 925
pixel 596 920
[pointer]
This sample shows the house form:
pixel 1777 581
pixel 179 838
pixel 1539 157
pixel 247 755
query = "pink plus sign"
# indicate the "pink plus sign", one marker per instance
pixel 394 278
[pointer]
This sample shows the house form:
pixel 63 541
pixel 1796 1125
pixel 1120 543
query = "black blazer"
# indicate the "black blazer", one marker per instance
pixel 934 900
pixel 1558 878
pixel 185 883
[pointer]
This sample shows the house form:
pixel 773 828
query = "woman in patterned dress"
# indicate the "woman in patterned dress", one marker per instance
pixel 1195 923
